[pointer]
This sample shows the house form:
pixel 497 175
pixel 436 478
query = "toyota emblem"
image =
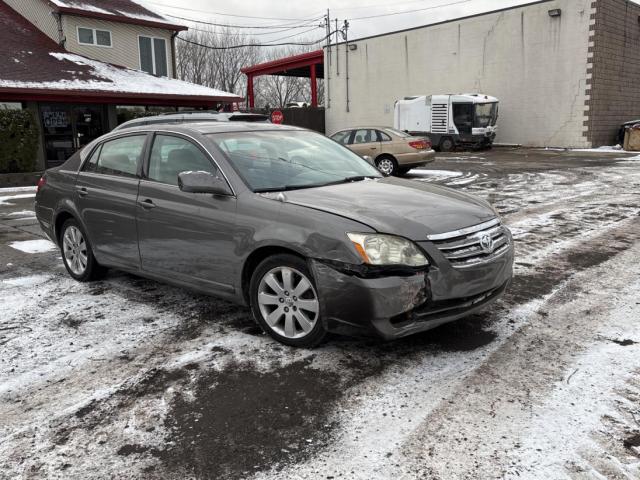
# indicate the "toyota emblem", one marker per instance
pixel 486 243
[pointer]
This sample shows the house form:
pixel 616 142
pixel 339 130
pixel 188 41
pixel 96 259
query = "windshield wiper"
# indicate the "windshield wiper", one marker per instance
pixel 284 188
pixel 355 178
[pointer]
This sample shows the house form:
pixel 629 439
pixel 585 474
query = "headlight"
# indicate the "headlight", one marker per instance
pixel 376 249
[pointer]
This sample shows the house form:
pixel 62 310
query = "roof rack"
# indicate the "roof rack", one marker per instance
pixel 188 112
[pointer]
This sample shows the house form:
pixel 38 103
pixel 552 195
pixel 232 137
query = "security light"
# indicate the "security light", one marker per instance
pixel 353 46
pixel 555 12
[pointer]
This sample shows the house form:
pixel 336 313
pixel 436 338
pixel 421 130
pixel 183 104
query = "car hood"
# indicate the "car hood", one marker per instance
pixel 392 205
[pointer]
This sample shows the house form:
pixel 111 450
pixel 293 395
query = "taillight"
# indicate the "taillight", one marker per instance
pixel 41 183
pixel 419 144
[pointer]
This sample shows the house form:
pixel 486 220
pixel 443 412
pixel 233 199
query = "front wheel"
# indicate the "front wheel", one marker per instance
pixel 285 302
pixel 77 254
pixel 387 165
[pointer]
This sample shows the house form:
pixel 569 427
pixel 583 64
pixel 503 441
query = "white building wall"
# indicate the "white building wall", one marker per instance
pixel 124 51
pixel 535 64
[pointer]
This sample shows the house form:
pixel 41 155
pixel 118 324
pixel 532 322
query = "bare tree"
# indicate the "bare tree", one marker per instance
pixel 205 57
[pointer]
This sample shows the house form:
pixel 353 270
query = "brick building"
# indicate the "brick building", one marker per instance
pixel 567 72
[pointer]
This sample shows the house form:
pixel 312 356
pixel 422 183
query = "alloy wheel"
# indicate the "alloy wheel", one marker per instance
pixel 74 247
pixel 288 302
pixel 385 165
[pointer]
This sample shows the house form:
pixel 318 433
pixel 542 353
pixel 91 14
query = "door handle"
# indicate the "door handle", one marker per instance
pixel 373 148
pixel 82 191
pixel 147 204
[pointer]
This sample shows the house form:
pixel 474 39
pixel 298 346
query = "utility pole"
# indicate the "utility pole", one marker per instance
pixel 346 56
pixel 337 51
pixel 327 67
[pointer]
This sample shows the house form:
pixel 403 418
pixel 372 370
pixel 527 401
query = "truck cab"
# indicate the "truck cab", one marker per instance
pixel 450 120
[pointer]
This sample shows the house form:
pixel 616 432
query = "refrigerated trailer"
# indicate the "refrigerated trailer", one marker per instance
pixel 468 119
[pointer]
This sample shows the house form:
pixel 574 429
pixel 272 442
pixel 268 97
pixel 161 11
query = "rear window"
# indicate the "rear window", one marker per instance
pixel 118 157
pixel 399 133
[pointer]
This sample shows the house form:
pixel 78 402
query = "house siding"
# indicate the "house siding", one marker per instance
pixel 124 38
pixel 615 69
pixel 38 13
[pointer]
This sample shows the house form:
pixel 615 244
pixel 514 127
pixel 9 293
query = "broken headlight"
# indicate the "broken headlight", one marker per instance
pixel 378 249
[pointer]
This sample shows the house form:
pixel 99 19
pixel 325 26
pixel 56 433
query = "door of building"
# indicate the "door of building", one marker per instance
pixel 68 128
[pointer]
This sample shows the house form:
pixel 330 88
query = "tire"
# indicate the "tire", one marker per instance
pixel 387 165
pixel 293 320
pixel 446 144
pixel 77 254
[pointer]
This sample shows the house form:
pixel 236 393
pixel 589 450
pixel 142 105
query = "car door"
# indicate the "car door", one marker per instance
pixel 365 142
pixel 106 193
pixel 187 236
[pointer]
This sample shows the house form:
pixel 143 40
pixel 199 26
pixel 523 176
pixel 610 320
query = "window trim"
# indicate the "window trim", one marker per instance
pixel 153 54
pixel 147 158
pixel 98 146
pixel 95 37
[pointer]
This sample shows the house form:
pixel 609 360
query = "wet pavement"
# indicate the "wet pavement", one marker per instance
pixel 129 378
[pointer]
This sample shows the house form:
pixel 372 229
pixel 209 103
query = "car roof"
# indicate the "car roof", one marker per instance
pixel 205 128
pixel 367 127
pixel 191 116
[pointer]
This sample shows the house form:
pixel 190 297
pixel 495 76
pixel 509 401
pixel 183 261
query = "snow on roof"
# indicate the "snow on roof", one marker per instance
pixel 34 62
pixel 98 76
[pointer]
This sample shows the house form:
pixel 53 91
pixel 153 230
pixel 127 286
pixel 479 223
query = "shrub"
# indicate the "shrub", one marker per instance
pixel 19 140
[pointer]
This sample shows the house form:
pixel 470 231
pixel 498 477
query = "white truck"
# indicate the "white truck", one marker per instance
pixel 467 119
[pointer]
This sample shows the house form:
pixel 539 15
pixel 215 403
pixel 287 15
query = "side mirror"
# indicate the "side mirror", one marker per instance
pixel 369 160
pixel 203 182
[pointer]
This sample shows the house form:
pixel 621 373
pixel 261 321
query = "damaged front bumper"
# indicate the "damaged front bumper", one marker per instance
pixel 396 304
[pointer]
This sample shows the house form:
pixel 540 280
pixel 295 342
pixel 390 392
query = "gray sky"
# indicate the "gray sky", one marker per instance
pixel 208 10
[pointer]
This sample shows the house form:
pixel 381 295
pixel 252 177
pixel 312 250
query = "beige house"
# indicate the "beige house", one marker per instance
pixel 120 32
pixel 80 65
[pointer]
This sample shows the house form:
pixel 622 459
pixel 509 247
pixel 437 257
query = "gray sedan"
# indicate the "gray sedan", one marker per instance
pixel 287 221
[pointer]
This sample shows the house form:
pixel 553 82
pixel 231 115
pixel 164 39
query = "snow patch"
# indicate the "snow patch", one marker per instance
pixel 435 173
pixel 17 189
pixel 33 246
pixel 6 200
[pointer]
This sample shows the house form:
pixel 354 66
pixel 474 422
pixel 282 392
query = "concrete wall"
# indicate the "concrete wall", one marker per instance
pixel 535 64
pixel 38 13
pixel 124 51
pixel 614 68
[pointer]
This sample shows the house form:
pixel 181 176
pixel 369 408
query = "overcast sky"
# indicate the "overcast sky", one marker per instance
pixel 438 10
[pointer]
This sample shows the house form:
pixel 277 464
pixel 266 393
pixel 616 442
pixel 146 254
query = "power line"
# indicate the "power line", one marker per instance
pixel 253 34
pixel 411 11
pixel 263 27
pixel 227 14
pixel 230 47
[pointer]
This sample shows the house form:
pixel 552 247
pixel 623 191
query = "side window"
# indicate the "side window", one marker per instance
pixel 342 137
pixel 171 155
pixel 92 164
pixel 365 136
pixel 117 157
pixel 383 137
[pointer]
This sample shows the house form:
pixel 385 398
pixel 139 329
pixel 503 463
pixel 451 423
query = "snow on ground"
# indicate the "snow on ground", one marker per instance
pixel 144 380
pixel 6 190
pixel 33 246
pixel 8 198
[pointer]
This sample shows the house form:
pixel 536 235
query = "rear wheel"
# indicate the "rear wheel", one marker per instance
pixel 285 302
pixel 77 254
pixel 387 165
pixel 446 144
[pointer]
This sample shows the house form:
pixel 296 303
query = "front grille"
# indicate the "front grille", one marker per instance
pixel 463 248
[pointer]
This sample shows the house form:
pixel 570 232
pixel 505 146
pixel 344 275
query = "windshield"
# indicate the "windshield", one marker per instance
pixel 486 115
pixel 286 160
pixel 399 133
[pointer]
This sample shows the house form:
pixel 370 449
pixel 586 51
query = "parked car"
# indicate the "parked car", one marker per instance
pixel 195 116
pixel 296 105
pixel 394 152
pixel 304 231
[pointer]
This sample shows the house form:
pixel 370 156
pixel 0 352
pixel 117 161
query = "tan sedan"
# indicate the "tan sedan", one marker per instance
pixel 393 152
